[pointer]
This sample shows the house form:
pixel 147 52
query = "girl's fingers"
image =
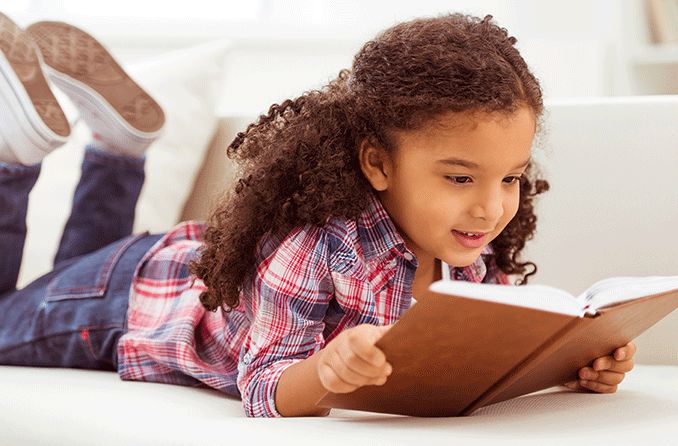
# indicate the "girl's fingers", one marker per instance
pixel 598 386
pixel 363 344
pixel 355 368
pixel 608 363
pixel 574 385
pixel 603 376
pixel 334 380
pixel 621 359
pixel 626 352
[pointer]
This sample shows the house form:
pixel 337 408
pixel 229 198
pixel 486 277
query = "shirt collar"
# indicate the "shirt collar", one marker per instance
pixel 380 236
pixel 377 231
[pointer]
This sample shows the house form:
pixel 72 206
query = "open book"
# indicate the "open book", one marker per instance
pixel 465 345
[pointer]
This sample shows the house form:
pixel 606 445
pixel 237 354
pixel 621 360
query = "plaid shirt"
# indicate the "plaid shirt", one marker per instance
pixel 308 287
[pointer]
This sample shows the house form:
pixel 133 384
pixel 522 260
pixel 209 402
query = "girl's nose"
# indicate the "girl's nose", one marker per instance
pixel 488 206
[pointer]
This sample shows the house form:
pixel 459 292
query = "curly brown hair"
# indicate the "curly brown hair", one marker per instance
pixel 298 164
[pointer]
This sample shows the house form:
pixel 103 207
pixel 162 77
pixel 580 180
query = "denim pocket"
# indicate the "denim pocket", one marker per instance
pixel 89 275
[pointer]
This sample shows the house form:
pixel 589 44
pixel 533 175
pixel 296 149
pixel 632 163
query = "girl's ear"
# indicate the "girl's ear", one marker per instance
pixel 375 164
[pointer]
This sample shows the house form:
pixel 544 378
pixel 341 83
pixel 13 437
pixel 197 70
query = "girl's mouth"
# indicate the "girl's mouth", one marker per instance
pixel 469 241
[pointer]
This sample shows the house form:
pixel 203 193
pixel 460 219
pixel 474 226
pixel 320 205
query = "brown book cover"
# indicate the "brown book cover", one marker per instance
pixel 452 354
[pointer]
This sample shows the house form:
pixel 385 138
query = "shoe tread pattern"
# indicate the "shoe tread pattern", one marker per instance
pixel 77 54
pixel 21 53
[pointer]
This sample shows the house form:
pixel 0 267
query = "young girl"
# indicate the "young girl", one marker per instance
pixel 351 200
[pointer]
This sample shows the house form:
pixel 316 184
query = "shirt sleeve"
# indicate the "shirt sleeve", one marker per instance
pixel 289 297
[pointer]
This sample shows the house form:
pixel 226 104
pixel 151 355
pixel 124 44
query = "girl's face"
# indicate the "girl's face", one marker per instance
pixel 428 195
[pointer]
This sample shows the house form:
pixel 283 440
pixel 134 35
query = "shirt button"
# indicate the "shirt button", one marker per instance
pixel 392 263
pixel 408 256
pixel 246 358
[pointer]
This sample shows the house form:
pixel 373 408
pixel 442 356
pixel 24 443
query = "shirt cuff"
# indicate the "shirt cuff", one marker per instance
pixel 259 400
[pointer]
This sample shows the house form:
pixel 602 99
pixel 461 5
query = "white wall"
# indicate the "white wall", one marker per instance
pixel 576 48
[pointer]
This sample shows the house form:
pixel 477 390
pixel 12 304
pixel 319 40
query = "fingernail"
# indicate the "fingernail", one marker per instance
pixel 620 354
pixel 583 382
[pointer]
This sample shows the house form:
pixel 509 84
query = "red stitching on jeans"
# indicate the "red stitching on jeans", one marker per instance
pixel 64 333
pixel 85 336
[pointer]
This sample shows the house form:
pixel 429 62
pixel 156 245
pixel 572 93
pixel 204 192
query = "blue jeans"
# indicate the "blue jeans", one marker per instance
pixel 74 315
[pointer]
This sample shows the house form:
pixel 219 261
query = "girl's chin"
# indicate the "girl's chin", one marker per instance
pixel 468 255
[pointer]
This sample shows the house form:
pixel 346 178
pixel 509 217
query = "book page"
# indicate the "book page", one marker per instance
pixel 615 290
pixel 540 297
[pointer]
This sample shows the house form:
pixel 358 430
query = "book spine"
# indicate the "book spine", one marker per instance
pixel 548 346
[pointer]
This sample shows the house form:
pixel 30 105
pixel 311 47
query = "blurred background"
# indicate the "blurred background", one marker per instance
pixel 608 68
pixel 280 48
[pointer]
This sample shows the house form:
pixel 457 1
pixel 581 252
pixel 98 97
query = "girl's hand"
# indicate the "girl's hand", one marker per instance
pixel 607 371
pixel 351 360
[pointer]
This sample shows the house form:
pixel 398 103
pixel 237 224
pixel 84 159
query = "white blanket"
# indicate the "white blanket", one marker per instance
pixel 73 407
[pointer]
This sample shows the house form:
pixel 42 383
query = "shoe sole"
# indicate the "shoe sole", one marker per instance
pixel 85 70
pixel 32 118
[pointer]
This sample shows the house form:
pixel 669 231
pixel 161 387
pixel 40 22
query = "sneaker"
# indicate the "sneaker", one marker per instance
pixel 123 117
pixel 32 123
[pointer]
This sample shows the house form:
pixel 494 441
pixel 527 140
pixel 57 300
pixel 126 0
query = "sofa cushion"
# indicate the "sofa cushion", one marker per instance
pixel 82 407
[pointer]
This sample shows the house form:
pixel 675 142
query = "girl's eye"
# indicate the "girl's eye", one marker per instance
pixel 453 179
pixel 513 179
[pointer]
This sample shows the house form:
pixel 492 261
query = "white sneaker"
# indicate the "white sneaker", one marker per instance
pixel 32 123
pixel 123 117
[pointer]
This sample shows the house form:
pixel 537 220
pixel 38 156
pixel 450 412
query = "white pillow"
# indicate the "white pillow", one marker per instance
pixel 186 83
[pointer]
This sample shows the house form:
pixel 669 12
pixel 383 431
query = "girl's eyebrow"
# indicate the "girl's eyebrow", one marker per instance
pixel 471 164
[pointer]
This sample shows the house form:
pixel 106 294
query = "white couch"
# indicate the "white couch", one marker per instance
pixel 612 210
